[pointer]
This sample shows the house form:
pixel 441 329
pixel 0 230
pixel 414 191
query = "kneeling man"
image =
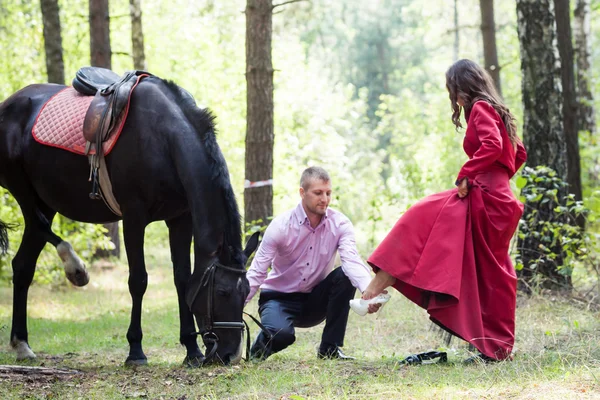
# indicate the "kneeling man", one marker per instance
pixel 302 289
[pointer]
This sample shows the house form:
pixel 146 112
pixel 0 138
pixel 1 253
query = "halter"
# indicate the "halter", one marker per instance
pixel 208 333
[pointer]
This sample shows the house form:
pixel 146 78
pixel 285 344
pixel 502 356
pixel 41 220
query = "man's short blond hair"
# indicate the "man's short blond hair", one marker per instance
pixel 313 173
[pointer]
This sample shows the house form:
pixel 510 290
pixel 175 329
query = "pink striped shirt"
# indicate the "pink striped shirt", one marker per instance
pixel 300 257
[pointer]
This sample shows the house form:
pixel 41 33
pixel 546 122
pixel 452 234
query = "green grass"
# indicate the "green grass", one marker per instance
pixel 557 352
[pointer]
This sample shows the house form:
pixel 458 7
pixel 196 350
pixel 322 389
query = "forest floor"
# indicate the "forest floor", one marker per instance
pixel 557 353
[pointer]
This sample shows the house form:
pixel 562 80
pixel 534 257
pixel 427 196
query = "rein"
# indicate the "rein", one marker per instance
pixel 208 332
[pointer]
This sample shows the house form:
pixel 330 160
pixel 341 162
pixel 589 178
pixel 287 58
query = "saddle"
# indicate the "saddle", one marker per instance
pixel 111 100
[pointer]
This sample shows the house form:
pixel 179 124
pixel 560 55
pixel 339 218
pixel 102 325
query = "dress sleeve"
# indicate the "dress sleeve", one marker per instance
pixel 521 156
pixel 263 259
pixel 486 128
pixel 352 265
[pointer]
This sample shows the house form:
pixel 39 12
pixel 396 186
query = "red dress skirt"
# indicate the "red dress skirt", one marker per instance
pixel 450 256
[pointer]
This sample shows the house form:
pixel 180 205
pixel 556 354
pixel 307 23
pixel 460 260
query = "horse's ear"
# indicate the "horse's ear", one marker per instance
pixel 252 244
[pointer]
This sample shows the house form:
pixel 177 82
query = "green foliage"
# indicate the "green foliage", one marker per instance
pixel 550 222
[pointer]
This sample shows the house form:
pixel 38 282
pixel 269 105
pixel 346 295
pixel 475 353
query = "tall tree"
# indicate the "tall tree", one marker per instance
pixel 100 54
pixel 543 132
pixel 565 48
pixel 100 51
pixel 581 32
pixel 488 32
pixel 456 33
pixel 137 35
pixel 258 193
pixel 55 66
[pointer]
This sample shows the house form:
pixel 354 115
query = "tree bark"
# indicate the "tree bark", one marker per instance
pixel 137 35
pixel 100 52
pixel 258 201
pixel 565 49
pixel 488 32
pixel 456 33
pixel 55 66
pixel 581 29
pixel 543 131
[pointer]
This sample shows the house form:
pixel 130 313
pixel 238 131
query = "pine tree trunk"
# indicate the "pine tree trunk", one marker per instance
pixel 488 32
pixel 565 48
pixel 543 131
pixel 456 33
pixel 581 29
pixel 53 41
pixel 586 119
pixel 137 35
pixel 258 201
pixel 100 52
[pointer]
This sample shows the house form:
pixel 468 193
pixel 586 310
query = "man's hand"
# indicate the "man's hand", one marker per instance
pixel 463 188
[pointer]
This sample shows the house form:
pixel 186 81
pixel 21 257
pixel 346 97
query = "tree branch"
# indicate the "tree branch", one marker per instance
pixel 21 369
pixel 286 2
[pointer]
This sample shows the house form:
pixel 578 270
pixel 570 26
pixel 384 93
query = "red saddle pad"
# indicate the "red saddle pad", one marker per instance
pixel 60 123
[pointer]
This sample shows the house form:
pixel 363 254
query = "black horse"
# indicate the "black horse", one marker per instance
pixel 166 166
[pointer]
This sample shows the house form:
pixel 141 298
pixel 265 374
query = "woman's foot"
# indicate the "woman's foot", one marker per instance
pixel 381 281
pixel 480 359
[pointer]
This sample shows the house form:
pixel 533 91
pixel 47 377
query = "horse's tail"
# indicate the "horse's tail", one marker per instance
pixel 4 227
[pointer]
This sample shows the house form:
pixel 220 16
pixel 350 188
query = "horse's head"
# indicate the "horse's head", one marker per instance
pixel 217 301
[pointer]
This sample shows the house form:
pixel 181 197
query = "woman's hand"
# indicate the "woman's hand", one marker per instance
pixel 373 308
pixel 463 188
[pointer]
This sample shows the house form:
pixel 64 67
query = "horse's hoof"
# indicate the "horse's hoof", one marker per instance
pixel 74 267
pixel 24 352
pixel 136 363
pixel 193 362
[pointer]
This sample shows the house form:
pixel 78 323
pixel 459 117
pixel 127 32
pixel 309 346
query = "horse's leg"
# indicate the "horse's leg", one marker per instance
pixel 23 265
pixel 133 235
pixel 40 215
pixel 38 220
pixel 180 239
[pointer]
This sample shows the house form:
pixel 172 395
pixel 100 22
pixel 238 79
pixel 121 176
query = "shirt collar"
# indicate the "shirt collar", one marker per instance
pixel 302 218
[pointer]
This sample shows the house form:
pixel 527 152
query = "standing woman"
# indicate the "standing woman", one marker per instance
pixel 449 252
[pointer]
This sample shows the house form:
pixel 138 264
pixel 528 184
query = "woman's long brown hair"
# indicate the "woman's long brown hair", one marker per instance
pixel 472 83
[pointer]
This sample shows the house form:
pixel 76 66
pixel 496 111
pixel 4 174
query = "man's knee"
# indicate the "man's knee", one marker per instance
pixel 282 338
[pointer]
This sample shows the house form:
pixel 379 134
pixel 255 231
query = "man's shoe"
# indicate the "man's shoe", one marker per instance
pixel 333 353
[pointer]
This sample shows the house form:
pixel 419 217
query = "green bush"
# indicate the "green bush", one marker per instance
pixel 551 237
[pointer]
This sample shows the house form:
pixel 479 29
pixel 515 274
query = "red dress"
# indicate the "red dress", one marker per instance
pixel 450 255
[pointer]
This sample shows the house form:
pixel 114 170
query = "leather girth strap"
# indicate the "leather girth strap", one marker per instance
pixel 106 188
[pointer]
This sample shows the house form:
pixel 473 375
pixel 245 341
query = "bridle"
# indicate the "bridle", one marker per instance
pixel 209 336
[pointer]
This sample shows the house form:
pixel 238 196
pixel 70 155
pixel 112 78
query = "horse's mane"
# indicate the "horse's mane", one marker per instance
pixel 203 122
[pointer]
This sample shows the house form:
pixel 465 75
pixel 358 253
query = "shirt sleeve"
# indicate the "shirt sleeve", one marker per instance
pixel 521 156
pixel 262 260
pixel 352 264
pixel 485 119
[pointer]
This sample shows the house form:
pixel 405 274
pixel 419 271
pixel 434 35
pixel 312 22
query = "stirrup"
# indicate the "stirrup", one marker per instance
pixel 426 358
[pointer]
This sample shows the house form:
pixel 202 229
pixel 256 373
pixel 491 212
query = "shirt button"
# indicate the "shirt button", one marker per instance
pixel 307 263
pixel 304 279
pixel 311 247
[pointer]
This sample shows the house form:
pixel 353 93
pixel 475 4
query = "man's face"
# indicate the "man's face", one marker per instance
pixel 317 196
